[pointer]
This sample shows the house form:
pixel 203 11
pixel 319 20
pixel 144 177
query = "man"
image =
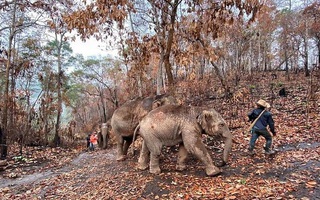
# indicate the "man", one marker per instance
pixel 260 126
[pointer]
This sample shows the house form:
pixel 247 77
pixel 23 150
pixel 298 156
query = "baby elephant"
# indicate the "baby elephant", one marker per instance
pixel 176 124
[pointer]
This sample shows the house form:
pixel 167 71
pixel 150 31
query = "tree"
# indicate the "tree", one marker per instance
pixel 206 20
pixel 6 92
pixel 61 51
pixel 312 12
pixel 205 31
pixel 17 19
pixel 96 74
pixel 97 81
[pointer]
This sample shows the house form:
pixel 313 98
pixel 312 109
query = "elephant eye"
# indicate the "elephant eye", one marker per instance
pixel 221 125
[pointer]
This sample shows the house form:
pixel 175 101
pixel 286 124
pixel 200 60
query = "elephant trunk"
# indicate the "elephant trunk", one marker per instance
pixel 227 146
pixel 104 132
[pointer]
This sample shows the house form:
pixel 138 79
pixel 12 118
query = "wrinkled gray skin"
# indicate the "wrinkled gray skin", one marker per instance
pixel 126 118
pixel 176 124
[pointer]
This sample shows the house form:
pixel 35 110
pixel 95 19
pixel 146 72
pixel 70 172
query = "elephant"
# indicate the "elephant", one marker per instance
pixel 103 135
pixel 170 125
pixel 126 118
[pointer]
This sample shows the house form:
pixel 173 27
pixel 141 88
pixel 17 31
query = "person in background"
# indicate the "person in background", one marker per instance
pixel 260 127
pixel 93 140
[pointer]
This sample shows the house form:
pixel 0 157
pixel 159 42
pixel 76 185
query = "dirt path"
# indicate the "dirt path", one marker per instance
pixel 97 175
pixel 79 162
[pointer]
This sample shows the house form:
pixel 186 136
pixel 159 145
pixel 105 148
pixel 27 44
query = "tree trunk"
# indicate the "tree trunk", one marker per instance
pixel 259 51
pixel 318 47
pixel 167 53
pixel 11 130
pixel 159 74
pixel 216 69
pixel 45 111
pixel 222 80
pixel 139 83
pixel 104 110
pixel 250 58
pixel 306 61
pixel 160 37
pixel 56 140
pixel 4 150
pixel 286 58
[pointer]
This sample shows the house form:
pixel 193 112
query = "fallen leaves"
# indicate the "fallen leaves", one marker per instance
pixel 253 177
pixel 312 184
pixel 293 173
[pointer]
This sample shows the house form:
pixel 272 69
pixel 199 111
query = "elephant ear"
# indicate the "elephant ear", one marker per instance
pixel 204 120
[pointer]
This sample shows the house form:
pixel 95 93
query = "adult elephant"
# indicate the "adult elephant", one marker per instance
pixel 103 135
pixel 176 124
pixel 126 118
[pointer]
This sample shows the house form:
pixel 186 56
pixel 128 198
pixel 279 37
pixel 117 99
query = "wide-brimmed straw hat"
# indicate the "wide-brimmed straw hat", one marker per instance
pixel 263 103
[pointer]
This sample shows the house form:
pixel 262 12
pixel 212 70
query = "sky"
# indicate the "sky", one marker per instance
pixel 91 47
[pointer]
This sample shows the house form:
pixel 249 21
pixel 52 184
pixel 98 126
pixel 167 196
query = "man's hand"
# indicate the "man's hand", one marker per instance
pixel 274 134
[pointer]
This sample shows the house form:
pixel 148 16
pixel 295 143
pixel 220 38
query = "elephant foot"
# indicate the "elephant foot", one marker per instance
pixel 213 171
pixel 181 167
pixel 221 164
pixel 142 166
pixel 121 158
pixel 155 170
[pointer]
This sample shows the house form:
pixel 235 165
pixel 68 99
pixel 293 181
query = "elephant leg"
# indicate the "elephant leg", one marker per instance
pixel 105 140
pixel 127 143
pixel 144 157
pixel 182 156
pixel 120 155
pixel 100 140
pixel 200 151
pixel 155 151
pixel 226 151
pixel 154 163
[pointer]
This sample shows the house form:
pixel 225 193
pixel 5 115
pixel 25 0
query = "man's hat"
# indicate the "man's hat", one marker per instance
pixel 263 103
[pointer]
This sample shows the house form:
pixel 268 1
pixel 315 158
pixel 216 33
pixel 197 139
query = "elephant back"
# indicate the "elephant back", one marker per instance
pixel 153 102
pixel 181 111
pixel 125 111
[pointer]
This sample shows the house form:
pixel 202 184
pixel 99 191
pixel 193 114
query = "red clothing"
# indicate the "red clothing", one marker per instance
pixel 93 139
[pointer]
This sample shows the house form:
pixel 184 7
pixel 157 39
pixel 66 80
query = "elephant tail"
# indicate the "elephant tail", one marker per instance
pixel 136 131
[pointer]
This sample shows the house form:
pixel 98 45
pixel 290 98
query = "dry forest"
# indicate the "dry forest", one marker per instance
pixel 224 55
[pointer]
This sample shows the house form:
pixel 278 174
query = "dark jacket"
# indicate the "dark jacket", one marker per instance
pixel 263 121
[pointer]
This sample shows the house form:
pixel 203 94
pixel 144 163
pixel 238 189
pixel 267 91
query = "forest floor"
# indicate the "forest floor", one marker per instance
pixel 291 173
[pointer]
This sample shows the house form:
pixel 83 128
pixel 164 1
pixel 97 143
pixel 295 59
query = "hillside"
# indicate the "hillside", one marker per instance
pixel 292 173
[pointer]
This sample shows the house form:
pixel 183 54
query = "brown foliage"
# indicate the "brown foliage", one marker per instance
pixel 98 16
pixel 292 173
